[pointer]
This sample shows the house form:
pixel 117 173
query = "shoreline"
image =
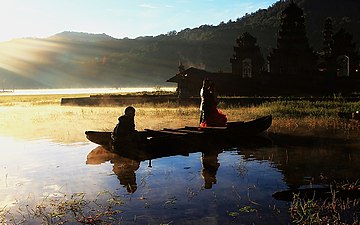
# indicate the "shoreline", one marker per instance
pixel 115 100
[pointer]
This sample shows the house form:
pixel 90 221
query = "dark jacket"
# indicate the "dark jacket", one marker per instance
pixel 124 128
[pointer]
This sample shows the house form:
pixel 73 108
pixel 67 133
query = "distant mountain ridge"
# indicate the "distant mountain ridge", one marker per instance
pixel 81 36
pixel 73 59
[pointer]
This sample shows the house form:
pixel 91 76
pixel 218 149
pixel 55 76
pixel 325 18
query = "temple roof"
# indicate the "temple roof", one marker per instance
pixel 196 74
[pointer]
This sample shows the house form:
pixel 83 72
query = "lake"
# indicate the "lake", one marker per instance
pixel 229 185
pixel 60 91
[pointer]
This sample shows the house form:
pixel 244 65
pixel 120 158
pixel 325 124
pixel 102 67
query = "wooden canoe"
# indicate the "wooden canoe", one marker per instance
pixel 168 137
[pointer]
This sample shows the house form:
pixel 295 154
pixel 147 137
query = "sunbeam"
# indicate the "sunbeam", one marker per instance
pixel 21 57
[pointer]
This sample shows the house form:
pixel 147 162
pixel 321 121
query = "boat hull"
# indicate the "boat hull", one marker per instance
pixel 174 141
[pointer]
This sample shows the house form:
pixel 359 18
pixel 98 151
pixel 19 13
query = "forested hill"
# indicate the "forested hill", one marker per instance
pixel 72 59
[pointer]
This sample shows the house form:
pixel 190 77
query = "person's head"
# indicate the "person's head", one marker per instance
pixel 206 82
pixel 212 86
pixel 129 111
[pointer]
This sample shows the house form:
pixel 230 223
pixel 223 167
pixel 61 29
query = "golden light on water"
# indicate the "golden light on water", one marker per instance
pixel 69 91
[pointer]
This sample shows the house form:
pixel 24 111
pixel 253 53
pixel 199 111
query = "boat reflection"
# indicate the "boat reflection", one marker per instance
pixel 125 165
pixel 125 168
pixel 303 160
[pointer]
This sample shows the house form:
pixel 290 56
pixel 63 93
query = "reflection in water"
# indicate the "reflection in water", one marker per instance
pixel 126 163
pixel 208 184
pixel 125 171
pixel 182 182
pixel 312 159
pixel 40 168
pixel 210 166
pixel 303 160
pixel 125 168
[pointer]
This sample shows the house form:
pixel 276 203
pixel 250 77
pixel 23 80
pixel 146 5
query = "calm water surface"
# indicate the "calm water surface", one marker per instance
pixel 84 90
pixel 232 185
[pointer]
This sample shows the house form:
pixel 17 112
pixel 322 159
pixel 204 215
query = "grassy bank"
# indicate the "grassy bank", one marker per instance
pixel 41 116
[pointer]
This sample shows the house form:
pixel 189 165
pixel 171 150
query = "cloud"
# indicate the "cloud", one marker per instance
pixel 148 6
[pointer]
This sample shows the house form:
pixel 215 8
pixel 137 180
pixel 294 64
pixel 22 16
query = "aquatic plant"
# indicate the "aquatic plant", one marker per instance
pixel 333 210
pixel 65 209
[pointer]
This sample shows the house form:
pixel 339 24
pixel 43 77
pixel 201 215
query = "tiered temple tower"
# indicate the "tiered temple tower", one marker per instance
pixel 293 54
pixel 247 60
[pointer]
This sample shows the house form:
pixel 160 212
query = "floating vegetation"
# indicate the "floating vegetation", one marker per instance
pixel 245 209
pixel 171 202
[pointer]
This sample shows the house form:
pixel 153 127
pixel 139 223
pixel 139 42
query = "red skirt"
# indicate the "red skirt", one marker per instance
pixel 215 119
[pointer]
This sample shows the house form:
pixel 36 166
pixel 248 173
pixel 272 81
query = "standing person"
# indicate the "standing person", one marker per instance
pixel 124 131
pixel 204 104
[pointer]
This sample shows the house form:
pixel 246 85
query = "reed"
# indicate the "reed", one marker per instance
pixel 66 209
pixel 324 211
pixel 42 116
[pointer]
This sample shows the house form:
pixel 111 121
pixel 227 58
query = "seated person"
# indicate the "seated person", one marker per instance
pixel 125 131
pixel 205 100
pixel 214 117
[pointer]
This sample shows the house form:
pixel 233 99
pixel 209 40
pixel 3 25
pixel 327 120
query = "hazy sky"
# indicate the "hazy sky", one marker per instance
pixel 117 18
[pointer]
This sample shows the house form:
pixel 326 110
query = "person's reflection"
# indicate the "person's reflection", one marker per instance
pixel 210 166
pixel 124 168
pixel 125 171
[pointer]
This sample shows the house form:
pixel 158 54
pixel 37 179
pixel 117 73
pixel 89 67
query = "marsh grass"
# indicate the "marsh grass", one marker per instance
pixel 67 124
pixel 65 209
pixel 41 116
pixel 324 211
